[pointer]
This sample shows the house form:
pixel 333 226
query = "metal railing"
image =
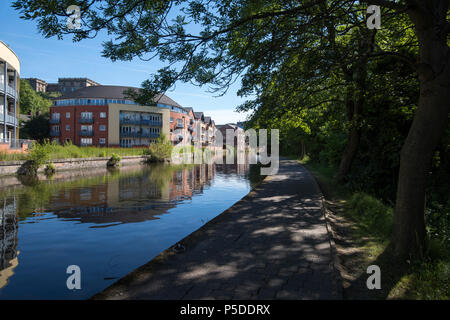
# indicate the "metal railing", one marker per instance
pixel 17 143
pixel 55 133
pixel 86 120
pixel 55 121
pixel 9 90
pixel 149 135
pixel 147 122
pixel 130 121
pixel 86 133
pixel 130 134
pixel 179 125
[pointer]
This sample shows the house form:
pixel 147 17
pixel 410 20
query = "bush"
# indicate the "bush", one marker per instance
pixel 50 169
pixel 376 216
pixel 114 161
pixel 38 155
pixel 160 150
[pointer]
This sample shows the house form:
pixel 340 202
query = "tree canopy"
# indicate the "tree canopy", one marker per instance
pixel 31 101
pixel 374 101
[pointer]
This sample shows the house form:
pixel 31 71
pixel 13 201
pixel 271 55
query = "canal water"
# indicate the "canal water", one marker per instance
pixel 107 223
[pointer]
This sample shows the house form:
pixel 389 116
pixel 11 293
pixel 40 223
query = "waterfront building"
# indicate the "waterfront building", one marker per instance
pixel 9 94
pixel 200 127
pixel 229 126
pixel 179 123
pixel 105 116
pixel 210 128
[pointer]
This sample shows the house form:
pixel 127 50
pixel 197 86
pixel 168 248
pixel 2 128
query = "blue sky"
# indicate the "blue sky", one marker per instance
pixel 49 59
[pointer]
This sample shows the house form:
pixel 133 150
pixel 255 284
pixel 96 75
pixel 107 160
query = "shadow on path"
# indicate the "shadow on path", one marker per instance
pixel 272 244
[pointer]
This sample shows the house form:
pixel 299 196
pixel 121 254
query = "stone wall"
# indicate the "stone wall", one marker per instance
pixel 10 167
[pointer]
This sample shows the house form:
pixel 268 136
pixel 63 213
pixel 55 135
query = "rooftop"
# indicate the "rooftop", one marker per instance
pixel 112 92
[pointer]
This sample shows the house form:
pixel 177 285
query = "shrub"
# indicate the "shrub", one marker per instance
pixel 50 169
pixel 114 161
pixel 160 150
pixel 376 216
pixel 38 155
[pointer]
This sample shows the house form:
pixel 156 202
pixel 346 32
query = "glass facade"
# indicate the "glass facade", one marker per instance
pixel 90 102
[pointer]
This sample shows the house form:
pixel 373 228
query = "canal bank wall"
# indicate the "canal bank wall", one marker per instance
pixel 272 244
pixel 8 168
pixel 65 169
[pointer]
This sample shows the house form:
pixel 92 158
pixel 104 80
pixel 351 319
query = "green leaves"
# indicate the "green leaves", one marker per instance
pixel 31 101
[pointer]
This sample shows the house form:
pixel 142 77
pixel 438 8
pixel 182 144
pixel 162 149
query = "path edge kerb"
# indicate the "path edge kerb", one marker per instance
pixel 158 261
pixel 333 249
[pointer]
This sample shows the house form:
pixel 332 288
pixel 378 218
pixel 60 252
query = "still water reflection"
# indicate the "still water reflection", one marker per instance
pixel 107 223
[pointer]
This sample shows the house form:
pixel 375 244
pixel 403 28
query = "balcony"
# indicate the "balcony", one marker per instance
pixel 11 119
pixel 129 121
pixel 86 120
pixel 86 133
pixel 149 135
pixel 130 134
pixel 179 126
pixel 154 123
pixel 55 121
pixel 54 133
pixel 190 128
pixel 9 90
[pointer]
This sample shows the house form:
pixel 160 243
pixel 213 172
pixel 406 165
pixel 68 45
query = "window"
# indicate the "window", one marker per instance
pixel 102 141
pixel 56 128
pixel 86 115
pixel 171 119
pixel 86 141
pixel 55 116
pixel 68 127
pixel 102 114
pixel 67 115
pixel 102 127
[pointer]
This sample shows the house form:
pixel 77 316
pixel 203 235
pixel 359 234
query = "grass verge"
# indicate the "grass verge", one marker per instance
pixel 66 151
pixel 362 227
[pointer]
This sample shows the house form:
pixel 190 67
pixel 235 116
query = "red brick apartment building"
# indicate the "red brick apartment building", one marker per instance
pixel 104 116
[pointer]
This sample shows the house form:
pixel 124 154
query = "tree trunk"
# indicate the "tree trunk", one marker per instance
pixel 355 102
pixel 429 124
pixel 350 151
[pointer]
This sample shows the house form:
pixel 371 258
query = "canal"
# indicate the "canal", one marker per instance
pixel 106 222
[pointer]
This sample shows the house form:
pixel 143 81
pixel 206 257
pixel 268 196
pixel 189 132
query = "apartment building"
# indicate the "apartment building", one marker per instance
pixel 38 85
pixel 179 123
pixel 210 128
pixel 64 85
pixel 9 94
pixel 105 116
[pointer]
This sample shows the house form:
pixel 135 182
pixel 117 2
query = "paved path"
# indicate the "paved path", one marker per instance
pixel 273 244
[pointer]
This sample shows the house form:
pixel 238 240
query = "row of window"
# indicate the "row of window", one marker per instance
pixel 176 109
pixel 88 141
pixel 138 115
pixel 84 115
pixel 101 127
pixel 95 102
pixel 127 129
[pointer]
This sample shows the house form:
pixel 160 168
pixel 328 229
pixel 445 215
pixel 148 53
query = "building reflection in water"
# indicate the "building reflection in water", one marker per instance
pixel 8 239
pixel 129 196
